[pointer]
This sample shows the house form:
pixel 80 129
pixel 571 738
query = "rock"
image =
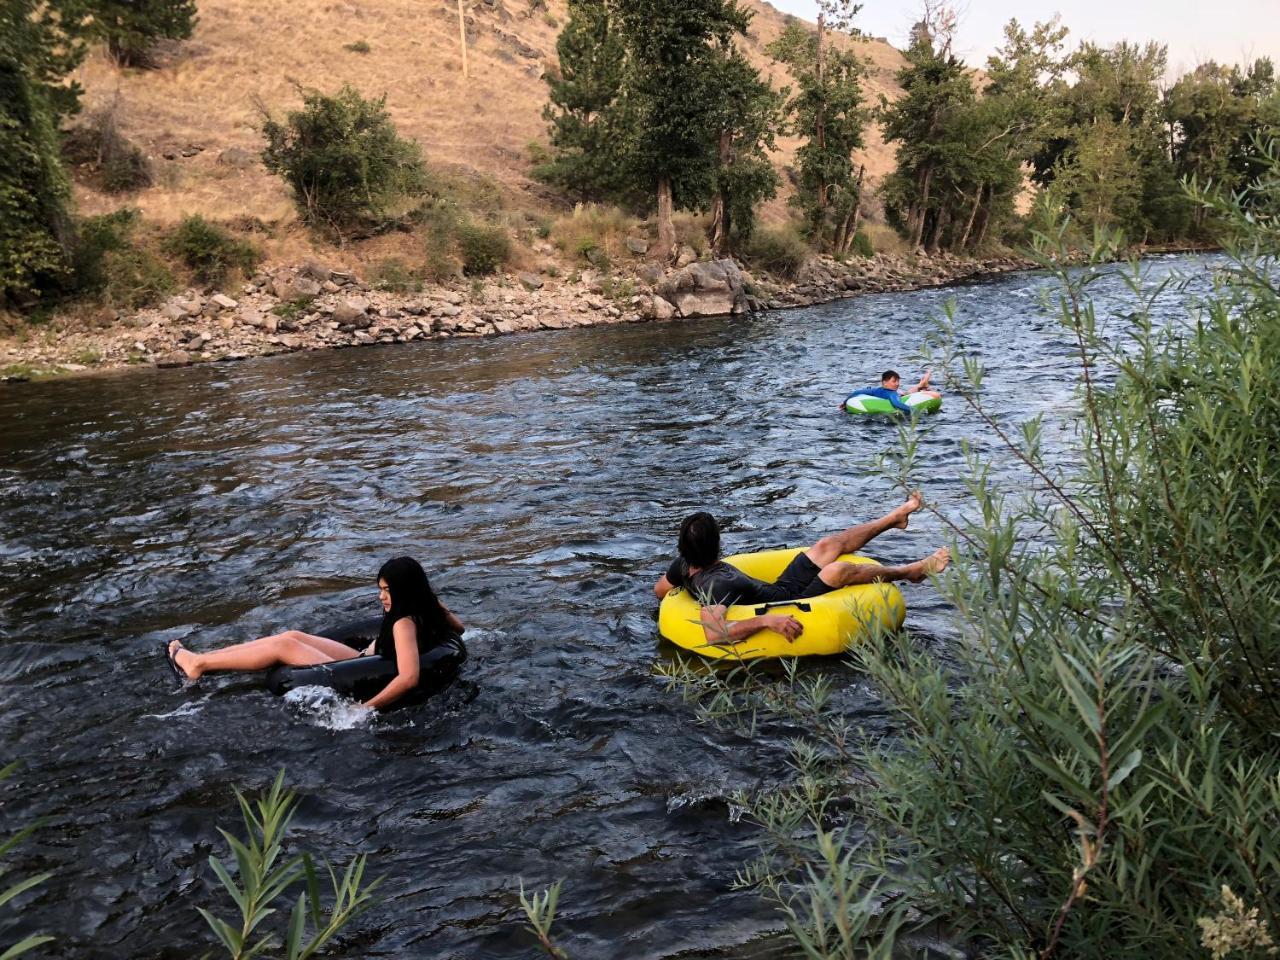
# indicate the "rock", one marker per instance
pixel 650 273
pixel 687 256
pixel 330 287
pixel 660 309
pixel 316 271
pixel 638 245
pixel 363 338
pixel 237 157
pixel 174 358
pixel 175 310
pixel 292 290
pixel 223 302
pixel 595 303
pixel 354 311
pixel 706 289
pixel 449 311
pixel 530 281
pixel 452 297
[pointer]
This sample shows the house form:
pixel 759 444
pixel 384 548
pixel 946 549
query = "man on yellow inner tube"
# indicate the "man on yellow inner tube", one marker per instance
pixel 718 585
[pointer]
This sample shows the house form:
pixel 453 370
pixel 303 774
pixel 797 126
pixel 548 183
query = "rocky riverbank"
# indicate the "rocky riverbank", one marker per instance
pixel 313 306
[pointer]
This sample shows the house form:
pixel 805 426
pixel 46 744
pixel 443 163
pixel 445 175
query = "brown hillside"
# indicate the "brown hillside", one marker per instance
pixel 201 103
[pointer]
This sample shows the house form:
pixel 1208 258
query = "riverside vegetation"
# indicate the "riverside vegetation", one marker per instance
pixel 654 111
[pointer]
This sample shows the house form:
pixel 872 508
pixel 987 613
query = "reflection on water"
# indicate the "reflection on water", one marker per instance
pixel 540 479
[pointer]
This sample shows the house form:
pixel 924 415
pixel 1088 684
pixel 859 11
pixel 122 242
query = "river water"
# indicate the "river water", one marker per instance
pixel 540 480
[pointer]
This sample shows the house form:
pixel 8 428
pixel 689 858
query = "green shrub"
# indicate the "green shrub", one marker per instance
pixel 209 251
pixel 32 941
pixel 779 251
pixel 862 245
pixel 359 46
pixel 395 275
pixel 342 157
pixel 595 232
pixel 109 264
pixel 267 881
pixel 1091 771
pixel 483 248
pixel 97 145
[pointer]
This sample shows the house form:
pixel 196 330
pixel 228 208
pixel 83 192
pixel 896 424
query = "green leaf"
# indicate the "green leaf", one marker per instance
pixel 25 944
pixel 1126 767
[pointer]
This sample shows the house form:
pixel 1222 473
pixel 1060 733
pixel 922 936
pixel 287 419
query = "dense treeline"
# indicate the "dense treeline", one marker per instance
pixel 42 252
pixel 653 105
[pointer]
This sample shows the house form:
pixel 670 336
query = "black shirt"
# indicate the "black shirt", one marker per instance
pixel 720 583
pixel 385 646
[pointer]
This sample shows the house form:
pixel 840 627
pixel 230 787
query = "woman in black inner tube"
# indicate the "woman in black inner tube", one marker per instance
pixel 414 620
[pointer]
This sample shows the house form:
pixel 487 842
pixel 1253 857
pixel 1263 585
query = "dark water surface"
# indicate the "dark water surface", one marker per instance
pixel 540 479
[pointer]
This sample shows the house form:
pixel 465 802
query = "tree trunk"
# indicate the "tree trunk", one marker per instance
pixel 462 36
pixel 925 179
pixel 820 124
pixel 984 218
pixel 939 224
pixel 666 227
pixel 973 215
pixel 720 216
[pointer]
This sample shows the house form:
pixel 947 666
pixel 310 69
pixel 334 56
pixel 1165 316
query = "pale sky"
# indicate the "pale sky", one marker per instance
pixel 1229 31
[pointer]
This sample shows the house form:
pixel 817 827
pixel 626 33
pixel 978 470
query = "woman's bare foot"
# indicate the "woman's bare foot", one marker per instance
pixel 935 562
pixel 903 514
pixel 176 652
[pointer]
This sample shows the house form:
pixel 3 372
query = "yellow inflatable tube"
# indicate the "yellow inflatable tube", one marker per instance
pixel 832 622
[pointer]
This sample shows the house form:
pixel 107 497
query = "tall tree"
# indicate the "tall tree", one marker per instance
pixel 936 92
pixel 41 41
pixel 132 27
pixel 748 115
pixel 673 64
pixel 586 112
pixel 827 111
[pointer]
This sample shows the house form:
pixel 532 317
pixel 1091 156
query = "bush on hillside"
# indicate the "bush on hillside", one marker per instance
pixel 209 251
pixel 776 250
pixel 98 146
pixel 342 157
pixel 596 232
pixel 109 263
pixel 132 27
pixel 483 248
pixel 862 244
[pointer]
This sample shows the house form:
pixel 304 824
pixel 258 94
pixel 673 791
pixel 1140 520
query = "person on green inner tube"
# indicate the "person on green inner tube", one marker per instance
pixel 888 390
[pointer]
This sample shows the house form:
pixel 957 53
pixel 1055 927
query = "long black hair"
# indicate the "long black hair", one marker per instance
pixel 412 597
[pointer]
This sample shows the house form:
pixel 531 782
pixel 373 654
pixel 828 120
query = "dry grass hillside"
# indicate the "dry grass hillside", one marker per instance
pixel 197 117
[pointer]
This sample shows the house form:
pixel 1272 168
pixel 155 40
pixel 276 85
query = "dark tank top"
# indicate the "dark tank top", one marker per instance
pixel 385 646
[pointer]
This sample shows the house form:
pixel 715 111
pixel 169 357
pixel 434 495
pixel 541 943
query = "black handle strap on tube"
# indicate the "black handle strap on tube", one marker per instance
pixel 798 604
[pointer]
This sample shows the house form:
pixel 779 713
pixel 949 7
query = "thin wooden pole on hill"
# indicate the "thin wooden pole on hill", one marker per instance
pixel 462 38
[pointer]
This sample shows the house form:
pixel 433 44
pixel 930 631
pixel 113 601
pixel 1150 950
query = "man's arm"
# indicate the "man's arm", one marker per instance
pixel 721 632
pixel 897 402
pixel 663 587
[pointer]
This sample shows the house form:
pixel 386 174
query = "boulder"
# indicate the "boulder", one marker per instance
pixel 354 311
pixel 174 358
pixel 175 310
pixel 638 245
pixel 237 157
pixel 316 271
pixel 706 289
pixel 530 281
pixel 650 273
pixel 297 288
pixel 660 309
pixel 222 301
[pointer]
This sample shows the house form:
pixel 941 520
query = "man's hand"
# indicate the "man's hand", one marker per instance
pixel 784 624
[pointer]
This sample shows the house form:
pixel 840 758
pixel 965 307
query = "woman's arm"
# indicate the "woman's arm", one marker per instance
pixel 454 623
pixel 405 635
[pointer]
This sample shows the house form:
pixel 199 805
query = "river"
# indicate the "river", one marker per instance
pixel 540 479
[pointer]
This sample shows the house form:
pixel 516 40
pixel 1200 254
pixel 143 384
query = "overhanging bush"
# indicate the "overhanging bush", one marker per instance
pixel 209 251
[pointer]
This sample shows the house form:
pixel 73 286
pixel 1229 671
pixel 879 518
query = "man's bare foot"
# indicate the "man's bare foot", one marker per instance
pixel 935 562
pixel 903 514
pixel 176 652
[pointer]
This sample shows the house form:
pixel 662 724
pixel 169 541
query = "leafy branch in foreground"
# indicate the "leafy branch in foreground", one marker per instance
pixel 264 875
pixel 1095 759
pixel 540 910
pixel 22 886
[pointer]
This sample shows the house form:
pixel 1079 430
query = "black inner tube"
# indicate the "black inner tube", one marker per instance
pixel 363 677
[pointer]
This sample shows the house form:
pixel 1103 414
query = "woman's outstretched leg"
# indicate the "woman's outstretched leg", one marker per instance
pixel 855 538
pixel 293 648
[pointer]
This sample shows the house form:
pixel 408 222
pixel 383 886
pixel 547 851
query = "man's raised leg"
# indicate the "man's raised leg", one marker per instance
pixel 827 549
pixel 841 574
